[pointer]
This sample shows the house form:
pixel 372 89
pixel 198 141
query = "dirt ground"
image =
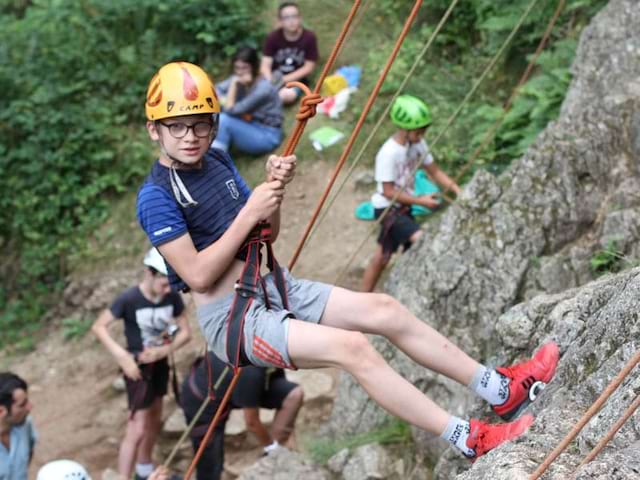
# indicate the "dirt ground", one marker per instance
pixel 80 416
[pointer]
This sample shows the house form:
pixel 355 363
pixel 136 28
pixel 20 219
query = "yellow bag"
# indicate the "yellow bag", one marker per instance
pixel 333 84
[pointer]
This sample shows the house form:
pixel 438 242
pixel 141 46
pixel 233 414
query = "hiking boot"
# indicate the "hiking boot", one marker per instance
pixel 528 379
pixel 484 437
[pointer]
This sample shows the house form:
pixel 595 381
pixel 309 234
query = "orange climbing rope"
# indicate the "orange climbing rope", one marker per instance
pixel 611 433
pixel 212 425
pixel 615 383
pixel 307 110
pixel 356 130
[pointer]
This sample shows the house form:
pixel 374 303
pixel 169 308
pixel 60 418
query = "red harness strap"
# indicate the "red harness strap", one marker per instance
pixel 248 287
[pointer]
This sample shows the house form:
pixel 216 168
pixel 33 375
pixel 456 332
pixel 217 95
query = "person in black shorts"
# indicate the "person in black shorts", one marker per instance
pixel 155 325
pixel 257 388
pixel 396 164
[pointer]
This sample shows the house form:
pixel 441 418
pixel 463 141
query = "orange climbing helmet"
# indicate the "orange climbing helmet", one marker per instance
pixel 180 88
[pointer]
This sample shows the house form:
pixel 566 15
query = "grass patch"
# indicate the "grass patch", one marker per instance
pixel 75 327
pixel 610 260
pixel 393 432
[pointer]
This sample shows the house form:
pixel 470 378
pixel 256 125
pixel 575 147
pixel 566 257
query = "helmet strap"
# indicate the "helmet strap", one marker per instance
pixel 180 192
pixel 179 188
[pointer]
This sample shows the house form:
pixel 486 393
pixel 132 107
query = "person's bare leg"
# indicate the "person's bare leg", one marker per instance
pixel 313 346
pixel 151 432
pixel 374 270
pixel 381 314
pixel 133 436
pixel 285 418
pixel 416 236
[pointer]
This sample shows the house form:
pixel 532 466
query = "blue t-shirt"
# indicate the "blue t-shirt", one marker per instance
pixel 14 463
pixel 217 187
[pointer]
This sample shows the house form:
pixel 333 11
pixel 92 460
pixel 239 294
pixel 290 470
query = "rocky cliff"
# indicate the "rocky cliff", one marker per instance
pixel 528 236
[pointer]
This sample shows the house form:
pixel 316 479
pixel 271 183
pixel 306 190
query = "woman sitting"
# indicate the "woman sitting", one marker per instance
pixel 251 121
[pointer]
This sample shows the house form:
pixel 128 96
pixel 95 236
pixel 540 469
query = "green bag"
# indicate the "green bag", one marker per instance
pixel 423 186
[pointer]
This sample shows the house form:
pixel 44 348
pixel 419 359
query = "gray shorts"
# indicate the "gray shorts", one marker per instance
pixel 266 330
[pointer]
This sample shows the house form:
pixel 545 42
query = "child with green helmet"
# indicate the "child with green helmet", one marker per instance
pixel 396 163
pixel 198 211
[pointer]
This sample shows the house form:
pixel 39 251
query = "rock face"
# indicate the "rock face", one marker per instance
pixel 283 464
pixel 527 236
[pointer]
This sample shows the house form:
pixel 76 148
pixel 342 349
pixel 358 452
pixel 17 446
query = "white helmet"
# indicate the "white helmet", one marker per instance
pixel 63 470
pixel 154 260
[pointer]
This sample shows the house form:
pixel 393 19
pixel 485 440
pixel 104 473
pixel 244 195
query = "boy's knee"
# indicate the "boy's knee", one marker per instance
pixel 379 258
pixel 295 397
pixel 386 305
pixel 357 350
pixel 136 430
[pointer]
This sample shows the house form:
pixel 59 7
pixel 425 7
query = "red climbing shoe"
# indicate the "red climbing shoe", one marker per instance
pixel 528 379
pixel 484 437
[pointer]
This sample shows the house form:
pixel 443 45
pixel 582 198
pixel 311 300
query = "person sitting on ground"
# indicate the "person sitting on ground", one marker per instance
pixel 17 434
pixel 198 211
pixel 396 164
pixel 252 118
pixel 155 325
pixel 289 52
pixel 256 388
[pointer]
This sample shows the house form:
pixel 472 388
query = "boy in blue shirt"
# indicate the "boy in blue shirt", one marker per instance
pixel 17 435
pixel 198 211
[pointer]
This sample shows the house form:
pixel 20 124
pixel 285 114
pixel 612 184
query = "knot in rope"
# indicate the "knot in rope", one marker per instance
pixel 309 102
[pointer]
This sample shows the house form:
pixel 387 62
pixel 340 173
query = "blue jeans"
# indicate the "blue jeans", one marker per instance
pixel 250 137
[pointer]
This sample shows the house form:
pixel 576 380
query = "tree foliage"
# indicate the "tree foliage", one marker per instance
pixel 73 75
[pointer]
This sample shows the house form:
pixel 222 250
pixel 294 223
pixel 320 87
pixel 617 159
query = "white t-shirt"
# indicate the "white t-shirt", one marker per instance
pixel 397 163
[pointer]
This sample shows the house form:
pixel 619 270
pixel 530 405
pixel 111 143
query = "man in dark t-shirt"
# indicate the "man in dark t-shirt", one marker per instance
pixel 256 388
pixel 290 52
pixel 155 325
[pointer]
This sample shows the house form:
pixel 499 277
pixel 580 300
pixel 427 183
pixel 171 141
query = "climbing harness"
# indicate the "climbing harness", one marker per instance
pixel 248 288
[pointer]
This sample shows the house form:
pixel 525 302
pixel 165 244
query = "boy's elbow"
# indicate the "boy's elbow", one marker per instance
pixel 198 282
pixel 97 328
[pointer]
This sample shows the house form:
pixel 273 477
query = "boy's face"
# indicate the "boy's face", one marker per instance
pixel 184 138
pixel 290 19
pixel 160 285
pixel 414 136
pixel 20 408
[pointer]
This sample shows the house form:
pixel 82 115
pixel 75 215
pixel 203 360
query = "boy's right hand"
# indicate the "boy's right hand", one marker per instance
pixel 130 367
pixel 430 201
pixel 265 200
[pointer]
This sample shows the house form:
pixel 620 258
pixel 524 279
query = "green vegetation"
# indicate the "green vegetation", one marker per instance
pixel 610 260
pixel 73 75
pixel 72 81
pixel 394 432
pixel 75 327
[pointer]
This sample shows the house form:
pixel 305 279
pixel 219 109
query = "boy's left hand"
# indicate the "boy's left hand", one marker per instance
pixel 281 168
pixel 153 354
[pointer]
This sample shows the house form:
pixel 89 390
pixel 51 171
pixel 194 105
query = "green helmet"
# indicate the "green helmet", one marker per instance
pixel 409 112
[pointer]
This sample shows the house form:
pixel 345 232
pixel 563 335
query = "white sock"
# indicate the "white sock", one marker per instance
pixel 456 434
pixel 144 469
pixel 490 385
